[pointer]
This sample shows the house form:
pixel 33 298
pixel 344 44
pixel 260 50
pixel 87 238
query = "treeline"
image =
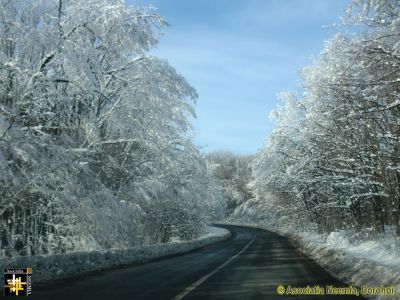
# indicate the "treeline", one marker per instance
pixel 95 137
pixel 231 175
pixel 333 161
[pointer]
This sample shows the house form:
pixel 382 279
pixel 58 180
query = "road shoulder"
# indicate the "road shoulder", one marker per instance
pixel 342 264
pixel 61 266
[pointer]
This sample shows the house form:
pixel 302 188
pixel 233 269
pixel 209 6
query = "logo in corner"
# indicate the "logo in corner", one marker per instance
pixel 18 282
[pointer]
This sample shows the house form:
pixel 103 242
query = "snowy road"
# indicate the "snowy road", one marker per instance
pixel 249 265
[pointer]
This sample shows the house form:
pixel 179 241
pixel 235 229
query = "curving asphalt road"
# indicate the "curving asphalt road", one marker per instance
pixel 249 265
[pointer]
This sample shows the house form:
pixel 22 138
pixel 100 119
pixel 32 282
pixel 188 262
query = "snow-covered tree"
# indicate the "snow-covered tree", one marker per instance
pixel 232 173
pixel 95 137
pixel 333 159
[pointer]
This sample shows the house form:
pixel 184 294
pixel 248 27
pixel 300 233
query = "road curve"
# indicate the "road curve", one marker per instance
pixel 249 265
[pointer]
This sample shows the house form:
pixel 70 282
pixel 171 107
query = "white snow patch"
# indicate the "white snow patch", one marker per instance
pixel 370 263
pixel 340 239
pixel 366 264
pixel 52 267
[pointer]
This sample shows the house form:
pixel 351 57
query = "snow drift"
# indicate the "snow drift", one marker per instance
pixel 51 267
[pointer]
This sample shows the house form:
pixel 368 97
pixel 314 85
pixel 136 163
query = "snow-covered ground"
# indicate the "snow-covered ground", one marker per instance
pixel 59 266
pixel 371 263
pixel 354 261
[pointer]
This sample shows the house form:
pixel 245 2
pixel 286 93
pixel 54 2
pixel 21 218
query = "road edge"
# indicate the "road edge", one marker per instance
pixel 340 264
pixel 62 266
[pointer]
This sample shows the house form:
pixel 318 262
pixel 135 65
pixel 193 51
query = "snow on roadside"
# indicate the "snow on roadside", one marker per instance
pixel 371 263
pixel 367 263
pixel 51 267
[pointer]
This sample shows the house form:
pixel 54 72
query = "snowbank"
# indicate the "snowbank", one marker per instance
pixel 64 265
pixel 366 264
pixel 371 263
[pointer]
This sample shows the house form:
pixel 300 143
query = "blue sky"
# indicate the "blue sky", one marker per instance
pixel 238 54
